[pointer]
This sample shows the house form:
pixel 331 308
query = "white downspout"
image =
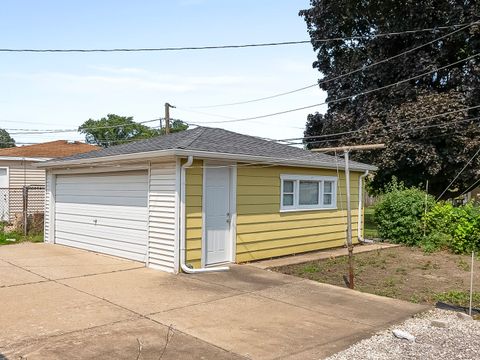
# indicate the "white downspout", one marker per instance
pixel 183 248
pixel 360 205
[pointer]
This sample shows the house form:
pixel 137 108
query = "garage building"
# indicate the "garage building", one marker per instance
pixel 199 199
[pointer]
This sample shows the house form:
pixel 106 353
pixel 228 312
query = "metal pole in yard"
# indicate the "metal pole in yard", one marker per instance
pixel 349 222
pixel 25 210
pixel 471 286
pixel 425 214
pixel 346 150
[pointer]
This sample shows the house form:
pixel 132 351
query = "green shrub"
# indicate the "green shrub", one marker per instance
pixel 399 213
pixel 460 224
pixel 434 241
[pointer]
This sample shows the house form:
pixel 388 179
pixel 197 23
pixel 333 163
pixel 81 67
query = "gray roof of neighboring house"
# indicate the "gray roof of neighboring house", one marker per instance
pixel 214 140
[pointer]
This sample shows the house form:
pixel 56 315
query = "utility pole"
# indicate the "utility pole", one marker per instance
pixel 346 151
pixel 167 117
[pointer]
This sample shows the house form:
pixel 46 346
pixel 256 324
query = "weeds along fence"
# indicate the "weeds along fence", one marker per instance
pixel 22 209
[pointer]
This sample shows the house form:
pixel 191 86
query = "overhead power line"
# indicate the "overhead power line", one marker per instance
pixel 339 76
pixel 459 173
pixel 231 46
pixel 330 135
pixel 384 126
pixel 344 97
pixel 55 131
pixel 396 131
pixel 471 187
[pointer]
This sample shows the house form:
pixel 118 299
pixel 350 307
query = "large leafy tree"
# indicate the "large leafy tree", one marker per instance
pixel 401 116
pixel 115 130
pixel 6 141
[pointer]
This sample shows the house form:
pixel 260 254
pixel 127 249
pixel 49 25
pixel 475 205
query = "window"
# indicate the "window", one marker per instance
pixel 303 192
pixel 288 193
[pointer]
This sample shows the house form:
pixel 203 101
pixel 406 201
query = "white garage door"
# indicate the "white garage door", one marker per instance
pixel 106 213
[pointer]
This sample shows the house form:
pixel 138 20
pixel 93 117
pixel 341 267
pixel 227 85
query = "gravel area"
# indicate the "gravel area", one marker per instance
pixel 448 337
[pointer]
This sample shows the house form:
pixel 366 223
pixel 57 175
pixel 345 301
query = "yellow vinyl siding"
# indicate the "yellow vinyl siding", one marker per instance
pixel 193 203
pixel 263 231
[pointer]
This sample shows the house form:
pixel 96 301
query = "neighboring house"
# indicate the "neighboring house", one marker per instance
pixel 200 198
pixel 473 195
pixel 17 170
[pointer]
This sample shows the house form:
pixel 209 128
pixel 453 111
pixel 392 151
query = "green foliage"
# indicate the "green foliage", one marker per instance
pixel 459 226
pixel 460 298
pixel 399 213
pixel 6 141
pixel 434 241
pixel 115 130
pixel 370 231
pixel 176 126
pixel 309 269
pixel 404 117
pixel 18 238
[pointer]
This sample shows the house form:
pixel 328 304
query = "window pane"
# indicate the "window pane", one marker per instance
pixel 288 186
pixel 287 199
pixel 328 187
pixel 327 199
pixel 308 193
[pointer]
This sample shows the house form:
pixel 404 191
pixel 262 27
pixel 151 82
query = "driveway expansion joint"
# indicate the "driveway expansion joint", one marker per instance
pixel 100 273
pixel 139 315
pixel 27 283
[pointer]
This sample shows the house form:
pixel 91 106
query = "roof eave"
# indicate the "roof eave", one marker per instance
pixel 269 160
pixel 23 158
pixel 101 159
pixel 203 154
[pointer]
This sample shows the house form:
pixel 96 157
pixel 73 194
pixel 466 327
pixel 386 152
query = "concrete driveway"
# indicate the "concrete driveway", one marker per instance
pixel 59 302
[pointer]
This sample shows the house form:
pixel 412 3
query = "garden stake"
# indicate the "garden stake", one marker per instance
pixel 471 286
pixel 425 214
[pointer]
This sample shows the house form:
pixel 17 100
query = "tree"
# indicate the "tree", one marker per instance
pixel 115 130
pixel 175 126
pixel 412 155
pixel 6 141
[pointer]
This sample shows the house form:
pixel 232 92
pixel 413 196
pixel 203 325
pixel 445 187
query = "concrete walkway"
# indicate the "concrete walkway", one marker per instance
pixel 59 302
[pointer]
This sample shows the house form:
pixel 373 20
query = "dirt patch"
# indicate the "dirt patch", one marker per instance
pixel 403 273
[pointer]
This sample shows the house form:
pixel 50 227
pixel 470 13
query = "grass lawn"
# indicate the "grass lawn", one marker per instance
pixel 19 238
pixel 370 231
pixel 402 272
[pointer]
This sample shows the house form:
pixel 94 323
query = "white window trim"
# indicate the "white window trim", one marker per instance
pixel 296 206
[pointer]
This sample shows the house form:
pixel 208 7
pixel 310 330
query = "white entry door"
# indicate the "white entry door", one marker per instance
pixel 217 214
pixel 4 194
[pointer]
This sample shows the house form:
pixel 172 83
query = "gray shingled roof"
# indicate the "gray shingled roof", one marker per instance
pixel 214 140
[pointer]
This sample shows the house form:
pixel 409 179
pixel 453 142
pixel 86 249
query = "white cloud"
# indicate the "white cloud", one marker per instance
pixel 132 79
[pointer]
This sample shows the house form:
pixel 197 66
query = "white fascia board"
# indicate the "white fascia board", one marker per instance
pixel 105 159
pixel 20 158
pixel 202 154
pixel 264 160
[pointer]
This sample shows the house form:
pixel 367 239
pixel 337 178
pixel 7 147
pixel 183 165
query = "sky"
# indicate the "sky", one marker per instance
pixel 62 90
